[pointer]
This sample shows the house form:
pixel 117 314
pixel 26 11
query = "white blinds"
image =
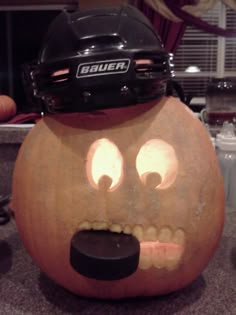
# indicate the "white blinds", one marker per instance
pixel 215 56
pixel 230 45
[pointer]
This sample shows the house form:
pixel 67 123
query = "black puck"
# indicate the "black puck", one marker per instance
pixel 104 255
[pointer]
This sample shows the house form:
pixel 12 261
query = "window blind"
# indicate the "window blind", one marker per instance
pixel 214 56
pixel 230 44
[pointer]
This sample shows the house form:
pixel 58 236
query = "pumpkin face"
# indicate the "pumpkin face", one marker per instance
pixel 148 170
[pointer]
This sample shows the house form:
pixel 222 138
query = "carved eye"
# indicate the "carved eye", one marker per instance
pixel 157 156
pixel 104 165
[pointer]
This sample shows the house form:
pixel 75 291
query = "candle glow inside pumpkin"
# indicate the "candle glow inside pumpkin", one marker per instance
pixel 155 156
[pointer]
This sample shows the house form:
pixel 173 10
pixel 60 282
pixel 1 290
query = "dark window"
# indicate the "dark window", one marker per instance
pixel 21 34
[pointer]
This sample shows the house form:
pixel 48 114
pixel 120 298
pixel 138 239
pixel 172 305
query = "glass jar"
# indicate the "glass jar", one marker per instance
pixel 221 101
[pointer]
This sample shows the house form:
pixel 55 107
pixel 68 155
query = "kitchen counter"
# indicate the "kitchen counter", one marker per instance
pixel 26 290
pixel 11 138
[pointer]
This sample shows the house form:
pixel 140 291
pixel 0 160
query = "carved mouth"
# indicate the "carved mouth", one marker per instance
pixel 161 248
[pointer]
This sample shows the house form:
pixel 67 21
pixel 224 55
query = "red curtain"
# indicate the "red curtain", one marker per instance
pixel 197 22
pixel 170 32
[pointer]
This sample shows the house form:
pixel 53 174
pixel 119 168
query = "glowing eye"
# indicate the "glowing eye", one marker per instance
pixel 157 156
pixel 104 165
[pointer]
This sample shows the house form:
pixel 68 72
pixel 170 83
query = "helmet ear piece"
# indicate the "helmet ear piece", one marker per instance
pixel 91 60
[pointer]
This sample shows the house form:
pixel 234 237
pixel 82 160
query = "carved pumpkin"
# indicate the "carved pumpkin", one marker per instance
pixel 149 170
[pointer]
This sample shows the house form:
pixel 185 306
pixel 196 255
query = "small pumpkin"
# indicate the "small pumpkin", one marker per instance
pixel 7 108
pixel 148 170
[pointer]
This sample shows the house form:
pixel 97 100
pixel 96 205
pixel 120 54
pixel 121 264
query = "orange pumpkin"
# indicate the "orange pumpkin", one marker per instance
pixel 7 108
pixel 149 170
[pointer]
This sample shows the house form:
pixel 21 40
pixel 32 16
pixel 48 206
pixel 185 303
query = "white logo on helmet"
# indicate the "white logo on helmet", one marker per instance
pixel 104 67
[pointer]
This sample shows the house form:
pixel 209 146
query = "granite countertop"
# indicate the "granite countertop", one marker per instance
pixel 26 290
pixel 14 133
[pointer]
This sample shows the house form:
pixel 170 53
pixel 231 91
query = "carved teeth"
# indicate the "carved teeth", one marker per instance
pixel 115 228
pixel 173 257
pixel 127 229
pixel 100 226
pixel 158 257
pixel 138 232
pixel 159 249
pixel 165 235
pixel 151 233
pixel 179 237
pixel 85 226
pixel 145 262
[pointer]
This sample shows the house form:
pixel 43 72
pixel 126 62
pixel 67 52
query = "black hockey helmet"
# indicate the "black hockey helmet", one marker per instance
pixel 103 58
